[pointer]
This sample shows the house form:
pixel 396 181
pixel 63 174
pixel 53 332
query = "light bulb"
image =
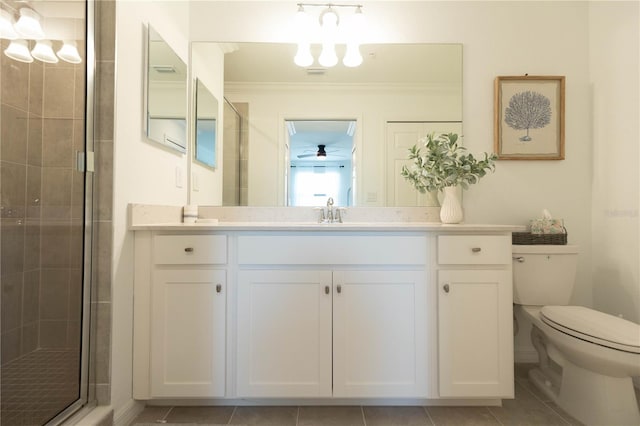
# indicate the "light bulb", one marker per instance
pixel 43 52
pixel 328 57
pixel 19 50
pixel 303 56
pixel 69 52
pixel 28 25
pixel 6 26
pixel 352 57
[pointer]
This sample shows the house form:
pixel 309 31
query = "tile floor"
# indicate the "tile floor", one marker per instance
pixel 530 407
pixel 37 386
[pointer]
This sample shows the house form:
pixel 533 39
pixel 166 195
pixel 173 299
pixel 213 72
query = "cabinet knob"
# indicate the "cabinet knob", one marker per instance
pixel 326 289
pixel 446 288
pixel 218 288
pixel 339 288
pixel 188 249
pixel 476 249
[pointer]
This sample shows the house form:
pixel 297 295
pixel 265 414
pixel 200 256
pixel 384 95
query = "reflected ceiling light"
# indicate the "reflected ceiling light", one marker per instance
pixel 19 50
pixel 6 26
pixel 44 52
pixel 69 52
pixel 330 28
pixel 28 25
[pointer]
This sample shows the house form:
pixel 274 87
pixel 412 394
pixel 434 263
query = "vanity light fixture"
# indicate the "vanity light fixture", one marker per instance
pixel 69 52
pixel 44 52
pixel 6 26
pixel 28 25
pixel 303 56
pixel 330 30
pixel 19 50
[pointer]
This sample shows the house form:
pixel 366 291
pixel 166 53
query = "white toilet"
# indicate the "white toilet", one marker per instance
pixel 586 358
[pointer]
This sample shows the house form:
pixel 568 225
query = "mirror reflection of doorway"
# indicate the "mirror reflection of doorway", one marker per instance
pixel 320 158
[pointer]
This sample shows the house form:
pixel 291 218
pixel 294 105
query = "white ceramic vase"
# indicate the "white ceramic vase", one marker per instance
pixel 451 209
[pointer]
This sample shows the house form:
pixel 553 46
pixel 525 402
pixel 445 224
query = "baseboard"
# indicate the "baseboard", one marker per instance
pixel 525 355
pixel 125 415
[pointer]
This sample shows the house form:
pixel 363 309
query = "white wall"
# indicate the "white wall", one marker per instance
pixel 144 172
pixel 499 38
pixel 614 73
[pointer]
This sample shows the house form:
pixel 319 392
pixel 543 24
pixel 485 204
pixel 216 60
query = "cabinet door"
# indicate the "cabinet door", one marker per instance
pixel 188 333
pixel 284 333
pixel 474 327
pixel 380 334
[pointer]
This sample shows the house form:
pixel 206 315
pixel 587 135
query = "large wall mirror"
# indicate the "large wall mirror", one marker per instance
pixel 166 94
pixel 206 125
pixel 399 93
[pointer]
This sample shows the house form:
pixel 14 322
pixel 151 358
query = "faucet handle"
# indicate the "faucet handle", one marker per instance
pixel 321 219
pixel 340 211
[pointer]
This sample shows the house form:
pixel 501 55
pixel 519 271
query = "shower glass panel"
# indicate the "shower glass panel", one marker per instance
pixel 42 220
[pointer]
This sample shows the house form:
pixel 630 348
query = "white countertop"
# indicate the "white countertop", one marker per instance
pixel 330 227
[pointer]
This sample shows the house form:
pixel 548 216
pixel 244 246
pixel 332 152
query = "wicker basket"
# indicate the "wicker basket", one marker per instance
pixel 527 238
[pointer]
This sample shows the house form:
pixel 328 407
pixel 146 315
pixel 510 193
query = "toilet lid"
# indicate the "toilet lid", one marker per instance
pixel 593 326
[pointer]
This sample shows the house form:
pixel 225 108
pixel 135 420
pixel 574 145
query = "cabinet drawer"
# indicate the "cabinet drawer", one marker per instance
pixel 332 250
pixel 189 249
pixel 474 249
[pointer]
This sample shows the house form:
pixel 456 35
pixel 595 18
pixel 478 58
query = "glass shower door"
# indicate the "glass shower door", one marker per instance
pixel 42 221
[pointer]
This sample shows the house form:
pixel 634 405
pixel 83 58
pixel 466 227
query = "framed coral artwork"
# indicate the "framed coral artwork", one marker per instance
pixel 529 117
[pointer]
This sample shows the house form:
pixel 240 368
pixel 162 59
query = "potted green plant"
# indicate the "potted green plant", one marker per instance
pixel 440 164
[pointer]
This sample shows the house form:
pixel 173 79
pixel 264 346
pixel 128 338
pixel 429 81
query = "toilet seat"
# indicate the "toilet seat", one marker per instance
pixel 593 326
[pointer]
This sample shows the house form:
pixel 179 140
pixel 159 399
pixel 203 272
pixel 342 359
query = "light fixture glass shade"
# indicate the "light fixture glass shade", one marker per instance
pixel 6 26
pixel 19 50
pixel 69 52
pixel 28 25
pixel 43 52
pixel 303 56
pixel 352 57
pixel 328 56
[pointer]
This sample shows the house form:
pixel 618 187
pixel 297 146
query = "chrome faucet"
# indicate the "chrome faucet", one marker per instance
pixel 330 210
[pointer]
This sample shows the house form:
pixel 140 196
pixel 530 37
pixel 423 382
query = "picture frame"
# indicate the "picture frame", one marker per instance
pixel 529 117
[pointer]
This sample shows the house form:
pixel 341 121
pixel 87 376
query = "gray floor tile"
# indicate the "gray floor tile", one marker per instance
pixel 265 416
pixel 396 416
pixel 200 415
pixel 461 416
pixel 330 416
pixel 151 414
pixel 526 409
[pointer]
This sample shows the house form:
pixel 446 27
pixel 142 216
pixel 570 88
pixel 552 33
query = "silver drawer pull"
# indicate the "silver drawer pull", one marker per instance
pixel 218 288
pixel 519 259
pixel 339 288
pixel 446 288
pixel 326 289
pixel 476 249
pixel 188 249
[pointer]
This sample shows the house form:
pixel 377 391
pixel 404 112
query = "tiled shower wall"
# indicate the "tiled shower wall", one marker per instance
pixel 100 374
pixel 42 107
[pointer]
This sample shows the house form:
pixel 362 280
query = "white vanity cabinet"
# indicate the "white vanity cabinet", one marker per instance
pixel 475 334
pixel 184 310
pixel 335 330
pixel 403 312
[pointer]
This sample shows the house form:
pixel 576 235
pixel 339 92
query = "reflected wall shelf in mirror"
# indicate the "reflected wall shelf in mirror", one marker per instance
pixel 206 125
pixel 165 94
pixel 397 83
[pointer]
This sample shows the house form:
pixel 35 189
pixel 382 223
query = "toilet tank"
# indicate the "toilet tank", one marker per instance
pixel 544 274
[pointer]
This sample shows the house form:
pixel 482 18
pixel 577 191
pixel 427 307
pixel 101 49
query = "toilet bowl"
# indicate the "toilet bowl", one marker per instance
pixel 586 358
